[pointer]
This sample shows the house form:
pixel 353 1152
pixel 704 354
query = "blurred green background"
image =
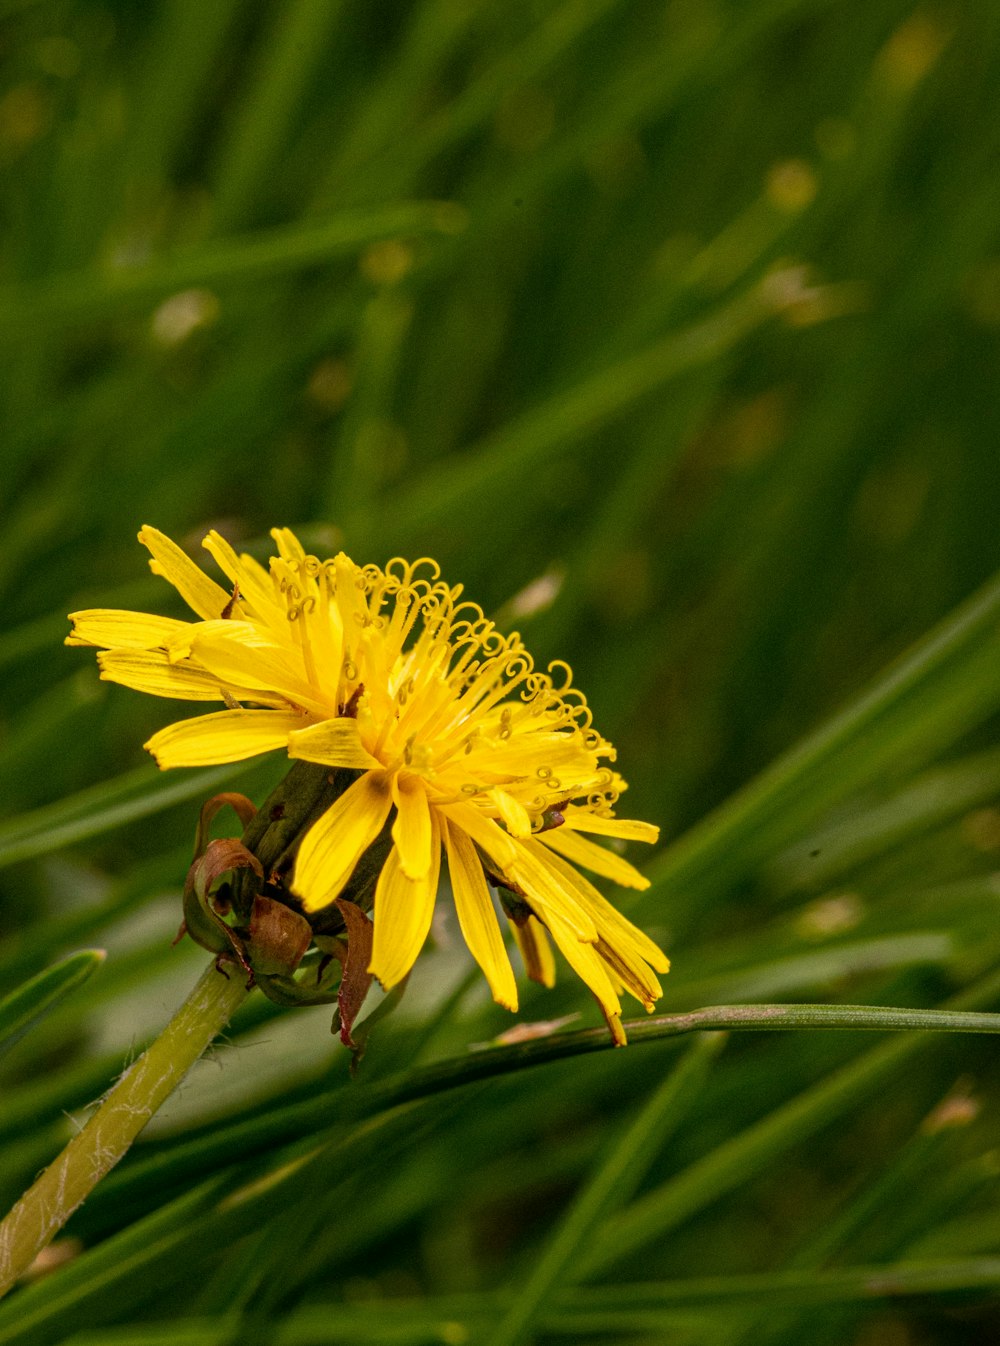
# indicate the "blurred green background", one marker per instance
pixel 670 330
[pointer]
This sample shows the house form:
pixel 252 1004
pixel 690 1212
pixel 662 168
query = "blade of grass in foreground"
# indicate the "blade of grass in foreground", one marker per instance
pixel 20 1009
pixel 99 808
pixel 605 1313
pixel 857 1230
pixel 282 1124
pixel 637 1306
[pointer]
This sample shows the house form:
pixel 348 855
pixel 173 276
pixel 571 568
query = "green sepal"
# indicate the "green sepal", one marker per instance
pixel 202 917
pixel 274 834
pixel 290 991
pixel 514 905
pixel 203 925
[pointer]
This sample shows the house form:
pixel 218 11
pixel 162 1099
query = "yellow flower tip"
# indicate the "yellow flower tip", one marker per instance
pixel 507 1002
pixel 617 1030
pixel 384 979
pixel 536 952
pixel 149 537
pixel 149 747
pixel 460 744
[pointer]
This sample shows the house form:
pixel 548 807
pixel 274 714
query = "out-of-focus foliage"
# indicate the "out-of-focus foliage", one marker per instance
pixel 670 329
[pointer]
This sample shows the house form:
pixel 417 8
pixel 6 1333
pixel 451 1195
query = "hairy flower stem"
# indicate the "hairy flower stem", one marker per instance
pixel 70 1178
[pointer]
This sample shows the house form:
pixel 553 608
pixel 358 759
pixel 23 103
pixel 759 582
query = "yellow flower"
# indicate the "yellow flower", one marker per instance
pixel 453 732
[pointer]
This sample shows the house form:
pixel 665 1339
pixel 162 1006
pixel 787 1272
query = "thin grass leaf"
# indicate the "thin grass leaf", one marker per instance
pixel 933 799
pixel 37 1304
pixel 22 1008
pixel 270 253
pixel 101 808
pixel 912 1171
pixel 289 52
pixel 638 1307
pixel 607 1312
pixel 127 1270
pixel 544 43
pixel 284 1124
pixel 169 93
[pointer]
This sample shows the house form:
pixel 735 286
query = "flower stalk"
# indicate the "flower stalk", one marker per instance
pixel 125 1110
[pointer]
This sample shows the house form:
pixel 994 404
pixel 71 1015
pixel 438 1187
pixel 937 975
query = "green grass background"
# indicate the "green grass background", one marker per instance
pixel 688 310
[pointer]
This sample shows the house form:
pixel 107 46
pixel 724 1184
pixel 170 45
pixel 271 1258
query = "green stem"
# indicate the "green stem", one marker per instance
pixel 456 1071
pixel 70 1178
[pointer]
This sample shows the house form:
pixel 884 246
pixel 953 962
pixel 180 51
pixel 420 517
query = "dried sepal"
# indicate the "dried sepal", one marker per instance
pixel 355 980
pixel 244 809
pixel 278 939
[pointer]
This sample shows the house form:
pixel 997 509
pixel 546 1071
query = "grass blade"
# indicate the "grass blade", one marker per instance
pixel 20 1010
pixel 100 808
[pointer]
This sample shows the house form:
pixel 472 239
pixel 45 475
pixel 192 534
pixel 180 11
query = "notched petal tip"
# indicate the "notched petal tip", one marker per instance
pixel 148 747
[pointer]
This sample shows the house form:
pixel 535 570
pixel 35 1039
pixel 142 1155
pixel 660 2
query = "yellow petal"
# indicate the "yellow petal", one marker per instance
pixel 547 891
pixel 333 743
pixel 586 963
pixel 484 832
pixel 226 736
pixel 200 593
pixel 411 830
pixel 477 916
pixel 237 652
pixel 582 820
pixel 120 630
pixel 632 973
pixel 336 841
pixel 253 580
pixel 529 753
pixel 611 924
pixel 404 908
pixel 151 671
pixel 289 547
pixel 514 814
pixel 536 951
pixel 616 1030
pixel 593 857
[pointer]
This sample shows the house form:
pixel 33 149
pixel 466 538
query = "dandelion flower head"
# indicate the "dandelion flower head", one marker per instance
pixel 461 747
